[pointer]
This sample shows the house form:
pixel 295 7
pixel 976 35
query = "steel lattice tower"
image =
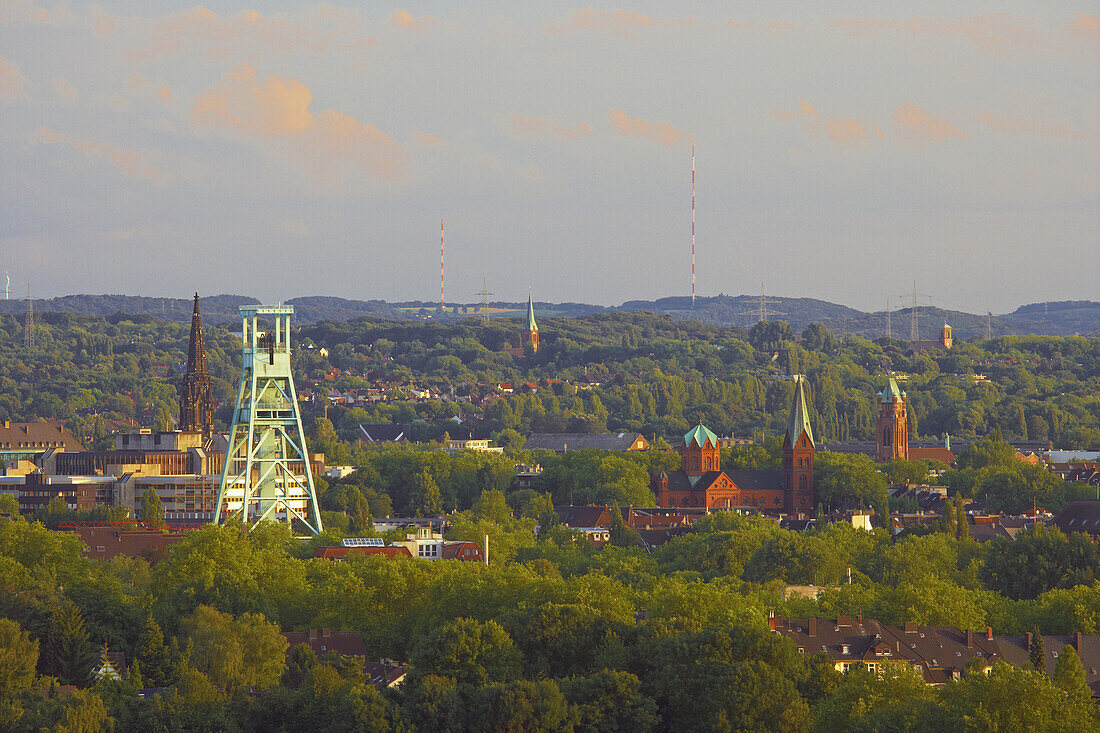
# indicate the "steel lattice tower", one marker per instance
pixel 267 473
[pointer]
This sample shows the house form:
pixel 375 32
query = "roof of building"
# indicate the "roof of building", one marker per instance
pixel 700 435
pixel 37 435
pixel 384 433
pixel 891 393
pixel 458 551
pixel 339 553
pixel 799 421
pixel 327 641
pixel 584 516
pixel 748 479
pixel 531 325
pixel 560 442
pixel 1079 516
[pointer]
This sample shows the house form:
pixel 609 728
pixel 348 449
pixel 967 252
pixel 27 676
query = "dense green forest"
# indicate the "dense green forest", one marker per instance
pixel 554 635
pixel 618 372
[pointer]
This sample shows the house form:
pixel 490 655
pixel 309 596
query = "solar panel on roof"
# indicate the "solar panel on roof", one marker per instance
pixel 363 542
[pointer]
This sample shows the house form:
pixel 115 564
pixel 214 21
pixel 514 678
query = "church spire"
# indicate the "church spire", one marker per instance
pixel 799 420
pixel 196 410
pixel 531 325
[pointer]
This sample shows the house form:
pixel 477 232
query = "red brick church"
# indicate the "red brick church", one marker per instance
pixel 701 482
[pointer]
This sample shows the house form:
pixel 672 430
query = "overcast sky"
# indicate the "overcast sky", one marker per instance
pixel 158 148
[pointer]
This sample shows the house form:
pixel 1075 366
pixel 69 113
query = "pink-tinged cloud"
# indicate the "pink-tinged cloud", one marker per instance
pixel 404 19
pixel 164 93
pixel 785 115
pixel 619 23
pixel 427 138
pixel 534 125
pixel 11 81
pixel 992 31
pixel 127 161
pixel 1088 26
pixel 227 36
pixel 279 108
pixel 1019 127
pixel 806 109
pixel 922 128
pixel 848 130
pixel 659 132
pixel 64 90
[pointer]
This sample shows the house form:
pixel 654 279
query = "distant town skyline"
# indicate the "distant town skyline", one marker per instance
pixel 157 148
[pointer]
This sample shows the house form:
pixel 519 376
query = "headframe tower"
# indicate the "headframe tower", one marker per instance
pixel 267 473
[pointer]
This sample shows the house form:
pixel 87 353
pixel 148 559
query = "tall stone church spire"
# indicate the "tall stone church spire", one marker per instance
pixel 196 411
pixel 531 335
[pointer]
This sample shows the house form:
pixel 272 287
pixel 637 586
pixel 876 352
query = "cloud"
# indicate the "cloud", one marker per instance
pixel 846 129
pixel 923 128
pixel 806 109
pixel 659 132
pixel 534 125
pixel 993 31
pixel 619 23
pixel 64 90
pixel 127 161
pixel 403 19
pixel 1087 26
pixel 427 138
pixel 224 36
pixel 164 93
pixel 279 108
pixel 11 81
pixel 1019 127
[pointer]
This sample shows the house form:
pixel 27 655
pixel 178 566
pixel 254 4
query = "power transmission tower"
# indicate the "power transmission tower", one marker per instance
pixel 29 328
pixel 484 301
pixel 914 328
pixel 988 325
pixel 889 326
pixel 762 311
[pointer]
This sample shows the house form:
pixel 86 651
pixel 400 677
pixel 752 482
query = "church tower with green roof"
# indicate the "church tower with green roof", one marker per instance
pixel 892 425
pixel 531 335
pixel 798 456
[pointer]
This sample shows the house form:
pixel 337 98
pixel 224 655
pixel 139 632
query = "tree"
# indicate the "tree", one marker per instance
pixel 1069 674
pixel 151 652
pixel 361 522
pixel 1035 653
pixel 816 337
pixel 861 691
pixel 70 652
pixel 839 477
pixel 151 509
pixel 468 651
pixel 609 701
pixel 622 535
pixel 520 705
pixel 18 658
pixel 9 505
pixel 1012 698
pixel 247 650
pixel 424 498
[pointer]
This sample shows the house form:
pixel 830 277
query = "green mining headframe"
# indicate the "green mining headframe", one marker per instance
pixel 267 474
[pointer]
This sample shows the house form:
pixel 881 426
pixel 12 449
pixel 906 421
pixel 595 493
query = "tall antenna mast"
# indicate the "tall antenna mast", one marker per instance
pixel 692 226
pixel 914 329
pixel 441 264
pixel 7 285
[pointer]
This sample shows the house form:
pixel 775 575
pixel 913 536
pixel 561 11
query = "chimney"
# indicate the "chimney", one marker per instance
pixel 771 620
pixel 969 639
pixel 1027 639
pixel 811 626
pixel 312 634
pixel 989 633
pixel 910 627
pixel 1077 642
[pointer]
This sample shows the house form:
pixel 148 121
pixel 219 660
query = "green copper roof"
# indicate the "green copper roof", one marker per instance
pixel 800 415
pixel 531 326
pixel 891 393
pixel 700 435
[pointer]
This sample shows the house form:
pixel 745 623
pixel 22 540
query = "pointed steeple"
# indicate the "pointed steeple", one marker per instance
pixel 531 325
pixel 891 393
pixel 196 350
pixel 196 410
pixel 800 415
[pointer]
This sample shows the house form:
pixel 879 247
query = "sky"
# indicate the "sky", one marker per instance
pixel 843 151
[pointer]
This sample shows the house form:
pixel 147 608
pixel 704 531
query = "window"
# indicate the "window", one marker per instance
pixel 845 649
pixel 706 462
pixel 802 482
pixel 886 436
pixel 801 650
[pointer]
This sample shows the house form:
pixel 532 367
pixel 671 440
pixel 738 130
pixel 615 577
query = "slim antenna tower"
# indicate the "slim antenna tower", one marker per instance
pixel 7 285
pixel 440 264
pixel 988 325
pixel 914 328
pixel 692 226
pixel 29 327
pixel 889 326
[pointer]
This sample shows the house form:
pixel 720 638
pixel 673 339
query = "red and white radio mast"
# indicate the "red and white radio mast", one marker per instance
pixel 441 265
pixel 692 226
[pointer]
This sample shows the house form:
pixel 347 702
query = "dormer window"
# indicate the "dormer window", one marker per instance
pixel 846 649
